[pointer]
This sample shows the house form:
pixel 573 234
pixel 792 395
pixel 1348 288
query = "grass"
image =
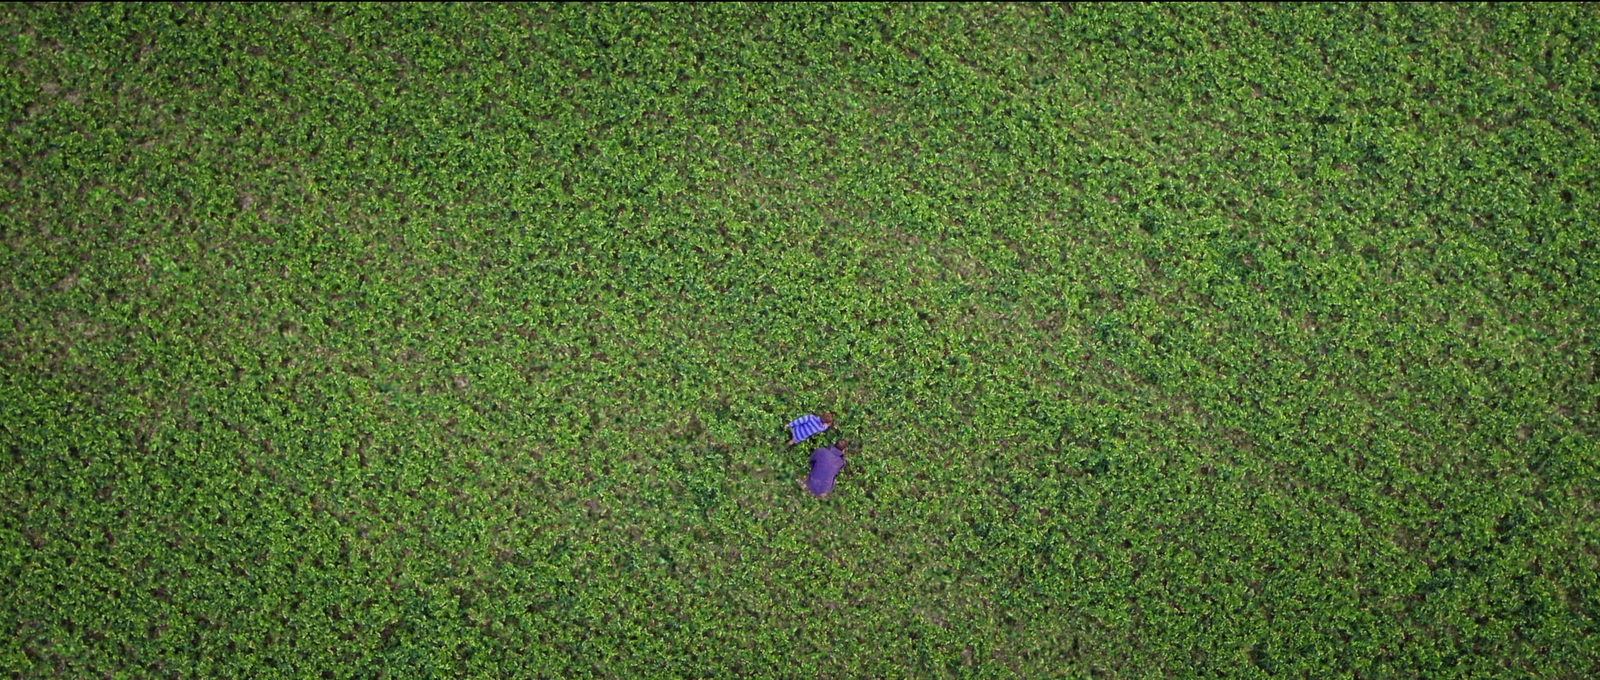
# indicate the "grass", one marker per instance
pixel 457 340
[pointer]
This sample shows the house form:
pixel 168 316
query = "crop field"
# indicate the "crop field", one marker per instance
pixel 414 341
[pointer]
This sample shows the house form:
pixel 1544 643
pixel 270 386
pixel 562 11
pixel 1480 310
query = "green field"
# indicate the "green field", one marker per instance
pixel 413 341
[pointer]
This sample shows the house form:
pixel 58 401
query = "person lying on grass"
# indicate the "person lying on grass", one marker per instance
pixel 808 425
pixel 826 463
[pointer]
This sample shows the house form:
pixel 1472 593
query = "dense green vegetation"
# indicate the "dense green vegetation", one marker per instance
pixel 1176 340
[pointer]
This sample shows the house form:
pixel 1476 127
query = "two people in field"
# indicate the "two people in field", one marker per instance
pixel 827 461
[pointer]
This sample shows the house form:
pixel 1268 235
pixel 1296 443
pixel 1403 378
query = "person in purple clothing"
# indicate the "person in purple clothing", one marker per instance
pixel 826 463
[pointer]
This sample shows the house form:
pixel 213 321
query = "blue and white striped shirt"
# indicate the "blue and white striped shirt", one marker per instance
pixel 805 426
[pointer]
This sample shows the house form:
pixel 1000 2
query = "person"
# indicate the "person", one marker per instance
pixel 826 463
pixel 807 425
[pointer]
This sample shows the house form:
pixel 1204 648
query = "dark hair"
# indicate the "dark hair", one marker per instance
pixel 841 444
pixel 827 418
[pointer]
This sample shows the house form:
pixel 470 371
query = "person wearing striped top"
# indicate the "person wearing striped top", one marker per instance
pixel 807 425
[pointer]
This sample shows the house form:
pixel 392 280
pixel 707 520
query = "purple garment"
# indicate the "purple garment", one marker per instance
pixel 805 426
pixel 825 465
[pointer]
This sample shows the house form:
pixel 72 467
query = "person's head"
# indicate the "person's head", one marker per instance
pixel 840 445
pixel 827 419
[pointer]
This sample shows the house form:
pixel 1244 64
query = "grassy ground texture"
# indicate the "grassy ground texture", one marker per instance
pixel 457 340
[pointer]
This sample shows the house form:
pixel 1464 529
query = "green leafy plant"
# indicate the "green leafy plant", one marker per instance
pixel 1230 340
